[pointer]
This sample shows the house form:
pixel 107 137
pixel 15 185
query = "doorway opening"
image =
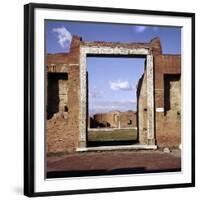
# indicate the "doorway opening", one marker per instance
pixel 117 52
pixel 112 99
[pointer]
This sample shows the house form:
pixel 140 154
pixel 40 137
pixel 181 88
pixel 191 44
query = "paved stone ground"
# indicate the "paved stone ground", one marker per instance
pixel 114 162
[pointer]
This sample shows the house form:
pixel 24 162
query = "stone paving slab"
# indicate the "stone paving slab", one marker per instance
pixel 113 162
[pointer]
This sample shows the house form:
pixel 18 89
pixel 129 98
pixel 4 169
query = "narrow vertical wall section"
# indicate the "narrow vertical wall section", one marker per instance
pixel 168 119
pixel 62 128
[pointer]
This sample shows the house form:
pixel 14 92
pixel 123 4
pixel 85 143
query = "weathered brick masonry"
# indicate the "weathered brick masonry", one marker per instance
pixel 114 119
pixel 63 96
pixel 62 129
pixel 167 94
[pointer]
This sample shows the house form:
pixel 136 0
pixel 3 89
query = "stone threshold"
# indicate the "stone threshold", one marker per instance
pixel 121 147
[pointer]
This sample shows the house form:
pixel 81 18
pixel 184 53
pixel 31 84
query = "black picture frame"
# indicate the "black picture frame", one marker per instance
pixel 29 107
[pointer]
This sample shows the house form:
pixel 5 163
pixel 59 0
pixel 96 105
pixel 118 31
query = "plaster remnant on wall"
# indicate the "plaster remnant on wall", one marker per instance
pixel 114 50
pixel 159 109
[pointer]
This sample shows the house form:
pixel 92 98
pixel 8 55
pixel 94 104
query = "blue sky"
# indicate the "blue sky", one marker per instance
pixel 112 81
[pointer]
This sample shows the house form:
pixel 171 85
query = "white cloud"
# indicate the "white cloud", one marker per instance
pixel 124 101
pixel 64 37
pixel 140 29
pixel 120 85
pixel 106 106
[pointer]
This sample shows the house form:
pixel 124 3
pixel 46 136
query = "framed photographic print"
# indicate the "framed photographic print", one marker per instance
pixel 108 99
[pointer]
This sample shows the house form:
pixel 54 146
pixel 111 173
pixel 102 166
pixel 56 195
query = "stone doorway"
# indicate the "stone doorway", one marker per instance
pixel 116 52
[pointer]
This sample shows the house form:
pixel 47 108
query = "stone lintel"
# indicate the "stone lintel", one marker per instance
pixel 114 50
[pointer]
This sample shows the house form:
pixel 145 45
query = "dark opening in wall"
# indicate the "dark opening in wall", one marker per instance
pixel 53 92
pixel 66 109
pixel 129 122
pixel 171 91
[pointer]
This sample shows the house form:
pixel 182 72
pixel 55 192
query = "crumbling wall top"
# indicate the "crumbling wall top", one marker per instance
pixel 154 45
pixel 73 56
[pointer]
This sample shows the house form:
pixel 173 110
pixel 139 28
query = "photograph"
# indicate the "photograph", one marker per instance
pixel 108 99
pixel 108 110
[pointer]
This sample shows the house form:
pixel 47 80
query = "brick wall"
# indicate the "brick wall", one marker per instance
pixel 128 119
pixel 167 90
pixel 168 87
pixel 62 126
pixel 116 119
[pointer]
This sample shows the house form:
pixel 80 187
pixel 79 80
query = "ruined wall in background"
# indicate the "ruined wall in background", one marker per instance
pixel 128 119
pixel 115 119
pixel 110 119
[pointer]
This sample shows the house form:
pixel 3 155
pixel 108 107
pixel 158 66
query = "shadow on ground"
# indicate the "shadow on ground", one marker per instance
pixel 120 171
pixel 111 143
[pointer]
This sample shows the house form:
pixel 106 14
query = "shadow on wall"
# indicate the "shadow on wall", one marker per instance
pixel 53 95
pixel 170 87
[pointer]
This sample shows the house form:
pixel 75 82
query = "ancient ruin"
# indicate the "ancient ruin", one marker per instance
pixel 113 119
pixel 158 116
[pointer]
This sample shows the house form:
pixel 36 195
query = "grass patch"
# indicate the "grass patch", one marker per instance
pixel 112 135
